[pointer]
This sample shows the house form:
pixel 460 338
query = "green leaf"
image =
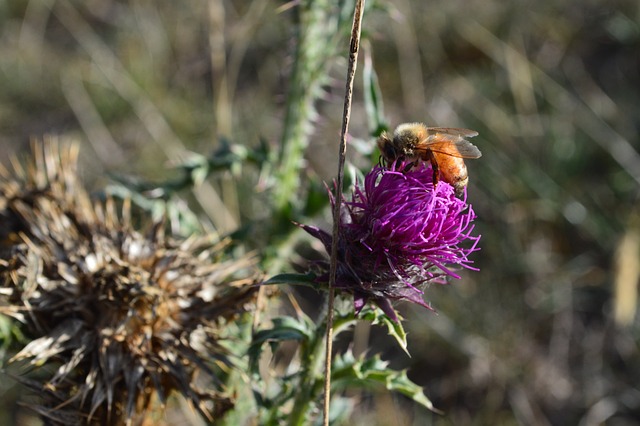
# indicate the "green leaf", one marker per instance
pixel 283 329
pixel 195 169
pixel 349 372
pixel 307 280
pixel 352 175
pixel 402 384
pixel 10 333
pixel 374 107
pixel 394 328
pixel 316 200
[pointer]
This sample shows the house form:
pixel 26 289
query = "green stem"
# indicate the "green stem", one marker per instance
pixel 311 373
pixel 311 386
pixel 319 24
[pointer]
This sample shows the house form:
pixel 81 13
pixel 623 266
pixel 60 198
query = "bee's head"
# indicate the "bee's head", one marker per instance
pixel 387 148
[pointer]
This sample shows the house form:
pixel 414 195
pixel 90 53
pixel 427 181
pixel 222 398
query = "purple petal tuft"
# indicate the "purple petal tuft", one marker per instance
pixel 399 232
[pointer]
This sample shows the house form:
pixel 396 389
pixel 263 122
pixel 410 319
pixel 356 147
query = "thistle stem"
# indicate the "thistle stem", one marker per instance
pixel 351 71
pixel 311 370
pixel 314 50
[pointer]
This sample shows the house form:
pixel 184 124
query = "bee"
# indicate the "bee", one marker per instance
pixel 445 148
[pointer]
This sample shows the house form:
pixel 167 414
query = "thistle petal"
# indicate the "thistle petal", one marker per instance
pixel 399 232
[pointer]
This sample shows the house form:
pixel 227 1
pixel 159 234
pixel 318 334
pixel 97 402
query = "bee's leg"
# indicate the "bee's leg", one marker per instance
pixel 436 173
pixel 408 166
pixel 434 167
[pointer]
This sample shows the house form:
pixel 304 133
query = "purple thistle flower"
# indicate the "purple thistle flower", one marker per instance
pixel 397 233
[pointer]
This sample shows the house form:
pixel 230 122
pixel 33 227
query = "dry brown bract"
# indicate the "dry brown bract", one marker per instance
pixel 119 319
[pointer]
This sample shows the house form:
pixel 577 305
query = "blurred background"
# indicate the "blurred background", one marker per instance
pixel 546 333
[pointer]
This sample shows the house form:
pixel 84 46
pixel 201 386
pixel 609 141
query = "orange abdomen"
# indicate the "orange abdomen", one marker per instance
pixel 452 170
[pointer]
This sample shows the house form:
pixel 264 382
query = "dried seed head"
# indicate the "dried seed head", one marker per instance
pixel 119 319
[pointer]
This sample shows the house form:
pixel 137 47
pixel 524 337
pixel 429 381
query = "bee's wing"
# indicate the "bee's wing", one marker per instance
pixel 451 143
pixel 452 131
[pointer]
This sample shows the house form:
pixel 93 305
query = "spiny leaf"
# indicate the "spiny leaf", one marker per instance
pixel 349 372
pixel 284 329
pixel 402 384
pixel 394 328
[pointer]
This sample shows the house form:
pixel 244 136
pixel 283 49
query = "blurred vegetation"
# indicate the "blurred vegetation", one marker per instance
pixel 552 87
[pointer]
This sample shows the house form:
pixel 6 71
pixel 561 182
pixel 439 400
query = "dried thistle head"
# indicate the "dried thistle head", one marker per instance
pixel 119 319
